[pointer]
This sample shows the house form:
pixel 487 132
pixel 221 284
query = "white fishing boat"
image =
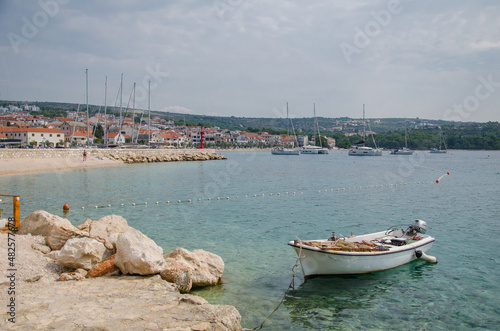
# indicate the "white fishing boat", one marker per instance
pixel 372 252
pixel 360 149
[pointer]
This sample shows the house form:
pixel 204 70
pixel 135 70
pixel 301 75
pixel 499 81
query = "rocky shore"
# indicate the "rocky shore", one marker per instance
pixel 22 161
pixel 104 275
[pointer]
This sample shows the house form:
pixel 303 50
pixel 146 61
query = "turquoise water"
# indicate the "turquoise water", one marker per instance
pixel 273 199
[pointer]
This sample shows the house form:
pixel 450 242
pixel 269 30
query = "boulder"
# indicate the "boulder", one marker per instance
pixel 103 268
pixel 82 253
pixel 207 267
pixel 179 273
pixel 55 229
pixel 85 227
pixel 106 226
pixel 138 254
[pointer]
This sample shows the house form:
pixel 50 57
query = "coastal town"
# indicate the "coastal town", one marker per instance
pixel 22 127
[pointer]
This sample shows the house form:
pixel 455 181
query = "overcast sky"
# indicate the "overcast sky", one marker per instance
pixel 247 58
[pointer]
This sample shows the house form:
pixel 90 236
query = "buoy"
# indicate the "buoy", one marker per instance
pixel 428 258
pixel 449 172
pixel 95 207
pixel 133 204
pixel 83 207
pixel 65 207
pixel 145 203
pixel 437 181
pixel 109 205
pixel 157 202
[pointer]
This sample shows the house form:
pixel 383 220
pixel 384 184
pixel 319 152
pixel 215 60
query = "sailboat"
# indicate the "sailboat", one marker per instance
pixel 360 149
pixel 441 142
pixel 405 150
pixel 310 149
pixel 283 150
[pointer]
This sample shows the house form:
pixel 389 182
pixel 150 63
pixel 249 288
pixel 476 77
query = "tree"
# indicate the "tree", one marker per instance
pixel 99 131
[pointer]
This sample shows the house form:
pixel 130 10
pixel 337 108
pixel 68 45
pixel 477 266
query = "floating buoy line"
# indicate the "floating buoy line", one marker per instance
pixel 252 196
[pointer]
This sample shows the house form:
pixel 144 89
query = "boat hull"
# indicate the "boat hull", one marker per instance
pixel 285 152
pixel 364 152
pixel 316 262
pixel 402 152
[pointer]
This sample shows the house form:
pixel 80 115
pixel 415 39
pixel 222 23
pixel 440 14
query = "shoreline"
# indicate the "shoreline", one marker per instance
pixel 26 161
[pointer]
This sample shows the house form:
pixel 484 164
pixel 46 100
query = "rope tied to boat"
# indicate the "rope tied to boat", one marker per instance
pixel 292 285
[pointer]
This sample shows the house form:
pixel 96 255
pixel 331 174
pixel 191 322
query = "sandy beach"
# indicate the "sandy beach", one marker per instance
pixel 24 161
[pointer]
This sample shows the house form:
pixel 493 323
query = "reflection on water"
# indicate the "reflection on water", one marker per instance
pixel 335 302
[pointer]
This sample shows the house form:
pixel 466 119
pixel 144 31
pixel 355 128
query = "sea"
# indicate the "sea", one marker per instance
pixel 246 209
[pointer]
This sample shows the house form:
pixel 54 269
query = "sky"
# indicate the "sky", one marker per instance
pixel 249 58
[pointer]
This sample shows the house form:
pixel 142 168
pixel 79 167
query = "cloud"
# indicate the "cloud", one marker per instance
pixel 259 55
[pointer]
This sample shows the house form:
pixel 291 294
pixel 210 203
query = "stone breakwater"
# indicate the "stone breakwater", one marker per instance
pixel 123 155
pixel 104 275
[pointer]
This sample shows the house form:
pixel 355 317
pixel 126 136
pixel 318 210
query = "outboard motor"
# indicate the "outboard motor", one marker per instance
pixel 419 226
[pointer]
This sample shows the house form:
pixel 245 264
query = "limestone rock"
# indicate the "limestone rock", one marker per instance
pixel 207 267
pixel 103 268
pixel 41 248
pixel 138 254
pixel 55 229
pixel 107 226
pixel 70 276
pixel 85 226
pixel 179 273
pixel 82 253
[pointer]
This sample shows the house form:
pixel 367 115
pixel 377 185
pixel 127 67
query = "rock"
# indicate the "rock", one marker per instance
pixel 103 268
pixel 55 229
pixel 85 226
pixel 41 248
pixel 70 276
pixel 107 226
pixel 82 253
pixel 82 272
pixel 138 254
pixel 207 267
pixel 179 273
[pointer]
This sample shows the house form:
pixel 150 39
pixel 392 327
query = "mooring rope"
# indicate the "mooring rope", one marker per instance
pixel 292 285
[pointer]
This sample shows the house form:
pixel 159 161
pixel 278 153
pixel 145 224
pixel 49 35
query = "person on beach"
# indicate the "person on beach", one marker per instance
pixel 84 155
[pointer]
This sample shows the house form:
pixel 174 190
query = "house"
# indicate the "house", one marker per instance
pixel 78 138
pixel 117 138
pixel 170 138
pixel 34 136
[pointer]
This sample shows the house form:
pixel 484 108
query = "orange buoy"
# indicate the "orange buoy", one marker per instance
pixel 437 181
pixel 65 207
pixel 448 173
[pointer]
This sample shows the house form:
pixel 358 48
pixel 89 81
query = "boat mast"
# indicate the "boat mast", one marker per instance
pixel 121 96
pixel 105 110
pixel 87 100
pixel 364 125
pixel 317 126
pixel 133 115
pixel 149 113
pixel 406 141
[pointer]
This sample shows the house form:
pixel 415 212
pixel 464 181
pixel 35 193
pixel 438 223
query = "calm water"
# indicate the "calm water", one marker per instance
pixel 273 199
